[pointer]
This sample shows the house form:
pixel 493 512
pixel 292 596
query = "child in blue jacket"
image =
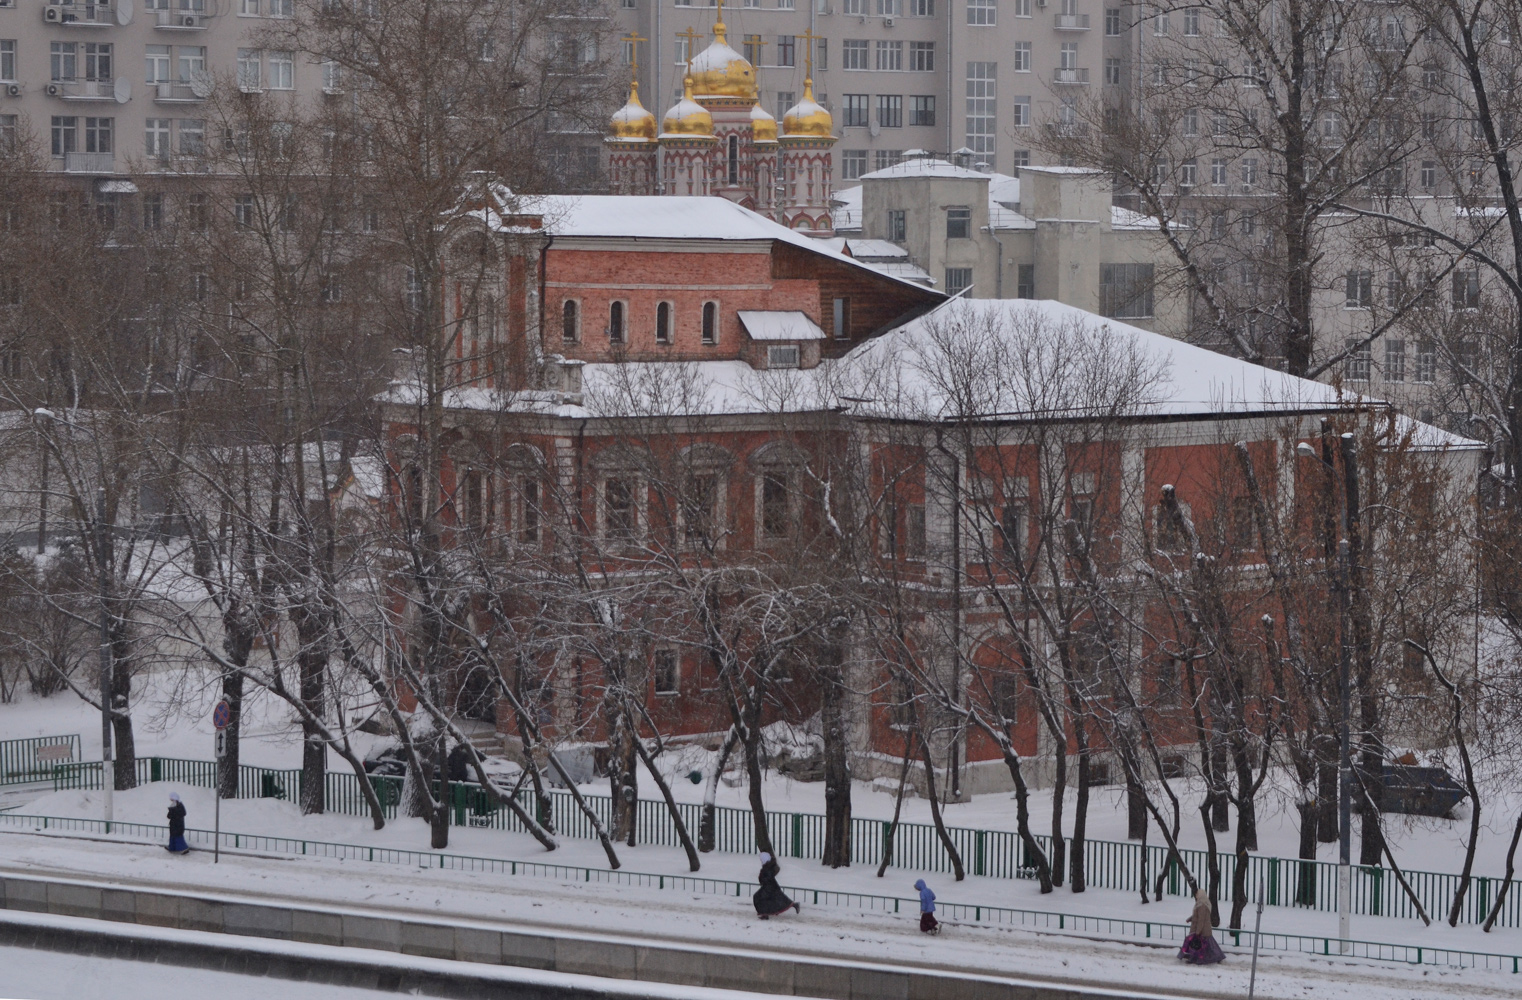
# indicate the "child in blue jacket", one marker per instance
pixel 928 923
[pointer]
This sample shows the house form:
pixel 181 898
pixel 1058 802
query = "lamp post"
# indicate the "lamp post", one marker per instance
pixel 1343 580
pixel 102 560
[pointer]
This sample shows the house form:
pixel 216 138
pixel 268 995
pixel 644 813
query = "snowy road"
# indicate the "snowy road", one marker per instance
pixel 708 920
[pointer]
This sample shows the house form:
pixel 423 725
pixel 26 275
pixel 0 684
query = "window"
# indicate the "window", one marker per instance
pixel 785 49
pixel 1112 72
pixel 958 223
pixel 1360 290
pixel 821 53
pixel 1112 21
pixel 890 56
pixel 1429 173
pixel 1218 172
pixel 700 508
pixel 710 322
pixel 63 61
pixel 1466 289
pixel 1192 21
pixel 776 505
pixel 1022 112
pixel 249 8
pixel 982 12
pixel 7 59
pixel 914 531
pixel 853 163
pixel 1160 24
pixel 244 211
pixel 192 62
pixel 1426 361
pixel 1025 281
pixel 282 70
pixel 280 8
pixel 782 356
pixel 752 47
pixel 922 57
pixel 897 228
pixel 1187 174
pixel 854 111
pixel 1012 527
pixel 249 66
pixel 840 318
pixel 156 60
pixel 665 673
pixel 153 210
pixel 1022 8
pixel 192 136
pixel 922 8
pixel 528 510
pixel 620 510
pixel 958 279
pixel 65 131
pixel 1125 291
pixel 616 323
pixel 885 158
pixel 1249 171
pixel 1022 57
pixel 570 321
pixel 1395 360
pixel 1191 122
pixel 663 323
pixel 981 121
pixel 1360 361
pixel 197 213
pixel 922 109
pixel 97 61
pixel 853 54
pixel 1022 158
pixel 888 8
pixel 156 138
pixel 890 111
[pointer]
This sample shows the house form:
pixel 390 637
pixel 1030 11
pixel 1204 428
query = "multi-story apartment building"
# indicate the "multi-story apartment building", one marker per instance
pixel 114 85
pixel 899 75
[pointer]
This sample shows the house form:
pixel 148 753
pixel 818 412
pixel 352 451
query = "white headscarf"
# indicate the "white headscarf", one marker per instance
pixel 174 796
pixel 765 857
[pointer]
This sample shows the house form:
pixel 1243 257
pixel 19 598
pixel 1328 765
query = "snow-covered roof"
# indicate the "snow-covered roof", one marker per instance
pixel 869 249
pixel 1124 218
pixel 903 269
pixel 1004 189
pixel 782 325
pixel 924 166
pixel 1430 437
pixel 845 209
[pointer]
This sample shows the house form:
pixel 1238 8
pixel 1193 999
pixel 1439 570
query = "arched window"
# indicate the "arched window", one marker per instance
pixel 710 322
pixel 569 321
pixel 663 323
pixel 734 159
pixel 616 323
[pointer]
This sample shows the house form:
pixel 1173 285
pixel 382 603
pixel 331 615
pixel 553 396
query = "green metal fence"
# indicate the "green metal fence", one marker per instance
pixel 963 913
pixel 18 758
pixel 992 853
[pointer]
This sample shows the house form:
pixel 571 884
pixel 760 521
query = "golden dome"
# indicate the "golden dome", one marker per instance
pixel 687 117
pixel 763 127
pixel 632 122
pixel 720 71
pixel 807 118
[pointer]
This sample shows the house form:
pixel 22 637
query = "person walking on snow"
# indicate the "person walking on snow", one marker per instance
pixel 770 900
pixel 177 843
pixel 1200 947
pixel 928 923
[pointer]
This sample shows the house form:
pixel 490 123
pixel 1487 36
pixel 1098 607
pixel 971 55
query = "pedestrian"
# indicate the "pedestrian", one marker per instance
pixel 928 923
pixel 770 900
pixel 1200 947
pixel 177 843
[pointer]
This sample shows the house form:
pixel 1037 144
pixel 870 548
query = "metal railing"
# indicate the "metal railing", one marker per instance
pixel 1070 22
pixel 18 758
pixel 965 913
pixel 990 853
pixel 1071 76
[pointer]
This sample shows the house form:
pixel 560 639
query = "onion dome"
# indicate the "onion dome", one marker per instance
pixel 720 71
pixel 807 117
pixel 687 117
pixel 763 127
pixel 632 122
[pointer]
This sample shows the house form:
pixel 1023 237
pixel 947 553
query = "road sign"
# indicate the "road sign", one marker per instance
pixel 221 743
pixel 221 715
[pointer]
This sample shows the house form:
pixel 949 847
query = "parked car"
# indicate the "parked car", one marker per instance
pixel 389 762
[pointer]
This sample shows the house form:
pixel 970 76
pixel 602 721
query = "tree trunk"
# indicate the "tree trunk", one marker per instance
pixel 1059 786
pixel 1220 816
pixel 837 771
pixel 752 746
pixel 125 744
pixel 623 775
pixel 1136 808
pixel 1305 892
pixel 227 765
pixel 935 812
pixel 1078 877
pixel 1511 871
pixel 314 752
pixel 693 864
pixel 898 805
pixel 439 822
pixel 707 822
pixel 1023 819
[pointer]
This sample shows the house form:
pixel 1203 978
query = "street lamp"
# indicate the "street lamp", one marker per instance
pixel 1344 750
pixel 102 560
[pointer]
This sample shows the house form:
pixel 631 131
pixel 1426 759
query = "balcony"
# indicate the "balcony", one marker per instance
pixel 166 92
pixel 180 20
pixel 79 15
pixel 1070 77
pixel 89 163
pixel 1071 22
pixel 84 90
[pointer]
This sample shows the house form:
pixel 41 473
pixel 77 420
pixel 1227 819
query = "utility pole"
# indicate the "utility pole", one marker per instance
pixel 102 558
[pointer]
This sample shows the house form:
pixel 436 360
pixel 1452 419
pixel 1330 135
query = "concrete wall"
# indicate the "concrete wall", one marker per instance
pixel 591 955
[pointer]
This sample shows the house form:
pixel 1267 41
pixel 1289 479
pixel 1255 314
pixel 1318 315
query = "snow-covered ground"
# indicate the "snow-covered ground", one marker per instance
pixel 718 920
pixel 173 719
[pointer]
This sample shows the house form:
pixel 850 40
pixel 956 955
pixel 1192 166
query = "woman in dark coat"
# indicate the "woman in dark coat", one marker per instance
pixel 770 900
pixel 177 843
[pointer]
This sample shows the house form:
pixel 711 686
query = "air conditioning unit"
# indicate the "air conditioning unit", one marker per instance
pixel 887 22
pixel 51 13
pixel 54 90
pixel 190 21
pixel 14 90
